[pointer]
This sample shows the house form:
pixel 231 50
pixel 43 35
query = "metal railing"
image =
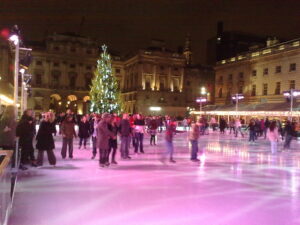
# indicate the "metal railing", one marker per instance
pixel 8 179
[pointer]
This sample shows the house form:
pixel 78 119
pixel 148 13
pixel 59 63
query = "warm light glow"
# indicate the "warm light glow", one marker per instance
pixel 266 51
pixel 255 54
pixel 59 103
pixel 248 113
pixel 155 108
pixel 6 99
pixel 203 91
pixel 296 43
pixel 22 70
pixel 14 38
pixel 86 98
pixel 281 47
pixel 223 61
pixel 201 100
pixel 232 59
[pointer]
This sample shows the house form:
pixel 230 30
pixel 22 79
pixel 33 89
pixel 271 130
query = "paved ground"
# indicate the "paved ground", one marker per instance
pixel 236 183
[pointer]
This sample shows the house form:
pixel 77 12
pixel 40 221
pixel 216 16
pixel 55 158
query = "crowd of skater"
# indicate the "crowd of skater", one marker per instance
pixel 106 130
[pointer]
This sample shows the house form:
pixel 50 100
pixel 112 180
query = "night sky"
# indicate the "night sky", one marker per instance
pixel 126 25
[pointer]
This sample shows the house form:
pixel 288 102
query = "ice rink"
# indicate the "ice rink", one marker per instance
pixel 236 183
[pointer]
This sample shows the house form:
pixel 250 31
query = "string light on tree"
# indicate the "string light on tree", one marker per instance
pixel 104 93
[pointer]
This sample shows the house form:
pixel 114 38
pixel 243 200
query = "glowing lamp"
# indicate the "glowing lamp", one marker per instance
pixel 14 38
pixel 155 108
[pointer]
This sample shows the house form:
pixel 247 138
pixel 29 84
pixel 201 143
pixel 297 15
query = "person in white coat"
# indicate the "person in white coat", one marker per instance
pixel 273 136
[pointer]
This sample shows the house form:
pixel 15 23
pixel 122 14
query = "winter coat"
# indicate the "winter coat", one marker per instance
pixel 84 129
pixel 113 142
pixel 125 128
pixel 26 131
pixel 68 129
pixel 7 138
pixel 273 135
pixel 194 133
pixel 103 135
pixel 44 136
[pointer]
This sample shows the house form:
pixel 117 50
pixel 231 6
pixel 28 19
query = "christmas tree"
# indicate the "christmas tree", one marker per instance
pixel 104 91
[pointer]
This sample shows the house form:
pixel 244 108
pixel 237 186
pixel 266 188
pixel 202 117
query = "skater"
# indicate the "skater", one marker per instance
pixel 103 136
pixel 170 131
pixel 273 136
pixel 193 137
pixel 84 132
pixel 139 130
pixel 68 132
pixel 45 141
pixel 113 127
pixel 125 131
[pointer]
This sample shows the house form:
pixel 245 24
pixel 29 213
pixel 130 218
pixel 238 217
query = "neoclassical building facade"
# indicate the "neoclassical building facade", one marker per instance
pixel 151 81
pixel 260 75
pixel 62 70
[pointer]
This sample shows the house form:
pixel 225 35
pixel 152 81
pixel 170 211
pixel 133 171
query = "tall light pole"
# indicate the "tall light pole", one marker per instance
pixel 291 94
pixel 15 40
pixel 236 98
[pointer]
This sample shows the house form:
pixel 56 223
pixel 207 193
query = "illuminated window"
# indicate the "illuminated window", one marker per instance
pixel 292 84
pixel 278 88
pixel 266 51
pixel 265 89
pixel 293 67
pixel 296 43
pixel 278 69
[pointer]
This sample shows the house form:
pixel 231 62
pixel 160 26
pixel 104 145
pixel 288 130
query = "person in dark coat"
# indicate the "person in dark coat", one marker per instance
pixel 223 125
pixel 67 132
pixel 26 132
pixel 103 136
pixel 125 131
pixel 153 125
pixel 8 129
pixel 84 131
pixel 113 145
pixel 45 141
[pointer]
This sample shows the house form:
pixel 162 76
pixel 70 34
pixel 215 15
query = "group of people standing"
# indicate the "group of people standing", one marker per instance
pixel 273 130
pixel 106 129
